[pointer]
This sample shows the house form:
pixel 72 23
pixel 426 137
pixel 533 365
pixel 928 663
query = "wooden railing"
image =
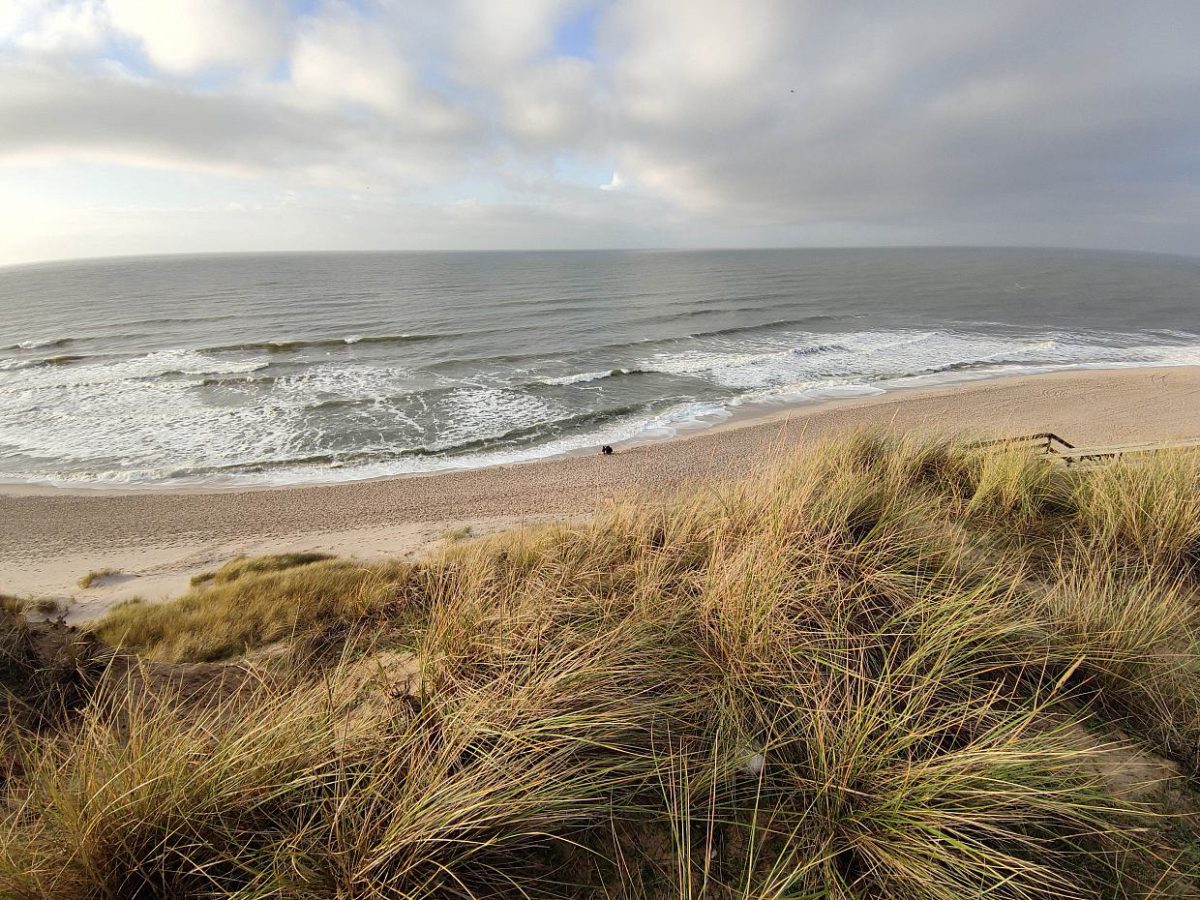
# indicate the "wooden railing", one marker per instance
pixel 1051 444
pixel 1046 441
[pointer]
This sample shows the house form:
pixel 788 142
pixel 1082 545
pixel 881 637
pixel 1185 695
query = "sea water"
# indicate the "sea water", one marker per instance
pixel 286 368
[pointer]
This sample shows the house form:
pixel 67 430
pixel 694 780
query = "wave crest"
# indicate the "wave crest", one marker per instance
pixel 349 340
pixel 584 377
pixel 41 344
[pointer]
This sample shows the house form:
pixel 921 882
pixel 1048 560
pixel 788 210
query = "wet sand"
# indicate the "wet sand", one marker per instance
pixel 49 538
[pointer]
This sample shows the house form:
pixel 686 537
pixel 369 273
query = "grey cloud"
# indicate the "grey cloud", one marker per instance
pixel 50 114
pixel 1039 110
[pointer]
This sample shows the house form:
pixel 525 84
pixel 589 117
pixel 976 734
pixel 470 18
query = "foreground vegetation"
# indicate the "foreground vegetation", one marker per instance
pixel 881 669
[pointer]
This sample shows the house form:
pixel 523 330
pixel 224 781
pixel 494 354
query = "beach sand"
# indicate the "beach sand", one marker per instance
pixel 157 540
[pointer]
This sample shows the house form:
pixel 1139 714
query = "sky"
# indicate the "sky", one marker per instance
pixel 167 126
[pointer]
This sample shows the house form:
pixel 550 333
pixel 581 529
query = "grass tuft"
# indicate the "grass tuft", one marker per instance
pixel 454 535
pixel 95 576
pixel 241 566
pixel 256 606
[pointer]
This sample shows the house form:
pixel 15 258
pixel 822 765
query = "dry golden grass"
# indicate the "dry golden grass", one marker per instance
pixel 454 535
pixel 258 565
pixel 96 575
pixel 234 613
pixel 865 673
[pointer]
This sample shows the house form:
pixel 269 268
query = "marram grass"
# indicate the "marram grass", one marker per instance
pixel 880 669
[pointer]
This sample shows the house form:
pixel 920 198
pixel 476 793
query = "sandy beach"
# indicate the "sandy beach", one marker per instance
pixel 157 539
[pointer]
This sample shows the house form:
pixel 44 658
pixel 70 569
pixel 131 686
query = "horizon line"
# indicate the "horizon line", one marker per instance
pixel 200 254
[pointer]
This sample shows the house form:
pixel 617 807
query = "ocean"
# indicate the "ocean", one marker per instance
pixel 289 368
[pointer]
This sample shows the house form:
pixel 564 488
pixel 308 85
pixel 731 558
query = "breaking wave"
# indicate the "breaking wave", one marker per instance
pixel 189 416
pixel 584 377
pixel 349 340
pixel 41 344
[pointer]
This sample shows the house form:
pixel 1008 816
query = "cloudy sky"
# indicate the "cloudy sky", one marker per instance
pixel 151 126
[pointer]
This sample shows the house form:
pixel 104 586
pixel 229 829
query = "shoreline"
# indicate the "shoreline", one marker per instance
pixel 51 537
pixel 749 415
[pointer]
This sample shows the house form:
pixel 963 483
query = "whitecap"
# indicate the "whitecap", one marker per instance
pixel 584 377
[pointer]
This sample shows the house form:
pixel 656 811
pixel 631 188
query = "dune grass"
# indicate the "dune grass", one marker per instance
pixel 96 575
pixel 246 606
pixel 258 565
pixel 882 669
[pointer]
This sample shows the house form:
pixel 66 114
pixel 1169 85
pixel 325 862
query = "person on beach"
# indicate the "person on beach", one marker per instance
pixel 607 450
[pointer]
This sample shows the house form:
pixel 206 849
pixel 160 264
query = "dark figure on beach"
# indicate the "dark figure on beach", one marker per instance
pixel 606 450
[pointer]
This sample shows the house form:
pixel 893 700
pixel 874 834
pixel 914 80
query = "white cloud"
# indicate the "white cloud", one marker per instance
pixel 704 64
pixel 551 104
pixel 494 36
pixel 43 27
pixel 342 58
pixel 67 28
pixel 15 16
pixel 187 36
